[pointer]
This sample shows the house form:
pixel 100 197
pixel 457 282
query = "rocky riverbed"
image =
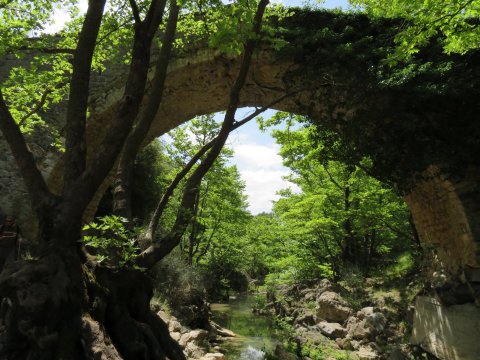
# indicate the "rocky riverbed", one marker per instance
pixel 197 344
pixel 325 324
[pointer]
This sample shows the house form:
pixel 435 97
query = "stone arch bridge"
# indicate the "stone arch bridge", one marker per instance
pixel 330 85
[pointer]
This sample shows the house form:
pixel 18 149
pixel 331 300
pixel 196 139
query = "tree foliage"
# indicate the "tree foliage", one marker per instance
pixel 453 23
pixel 341 216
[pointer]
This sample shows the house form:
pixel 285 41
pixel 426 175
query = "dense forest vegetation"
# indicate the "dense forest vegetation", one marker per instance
pixel 340 219
pixel 399 85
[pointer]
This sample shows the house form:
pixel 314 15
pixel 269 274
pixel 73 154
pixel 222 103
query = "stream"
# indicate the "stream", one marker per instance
pixel 255 334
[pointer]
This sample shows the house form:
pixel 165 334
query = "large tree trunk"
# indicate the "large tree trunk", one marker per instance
pixel 56 307
pixel 59 309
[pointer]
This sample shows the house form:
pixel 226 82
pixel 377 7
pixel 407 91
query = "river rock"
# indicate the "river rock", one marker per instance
pixel 193 351
pixel 174 326
pixel 225 332
pixel 309 294
pixel 332 307
pixel 197 337
pixel 305 320
pixel 213 356
pixel 344 344
pixel 332 330
pixel 281 354
pixel 221 331
pixel 397 354
pixel 164 316
pixel 176 336
pixel 367 353
pixel 310 335
pixel 326 285
pixel 366 324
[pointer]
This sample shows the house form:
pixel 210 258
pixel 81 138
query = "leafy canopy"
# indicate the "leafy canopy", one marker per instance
pixel 455 23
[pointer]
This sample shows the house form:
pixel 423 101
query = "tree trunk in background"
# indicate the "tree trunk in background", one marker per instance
pixel 350 248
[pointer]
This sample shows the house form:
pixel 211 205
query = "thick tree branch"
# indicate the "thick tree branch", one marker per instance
pixel 135 11
pixel 123 180
pixel 108 150
pixel 149 235
pixel 75 143
pixel 154 16
pixel 34 181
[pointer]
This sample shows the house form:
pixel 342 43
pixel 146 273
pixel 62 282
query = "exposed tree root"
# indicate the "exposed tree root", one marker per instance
pixel 115 320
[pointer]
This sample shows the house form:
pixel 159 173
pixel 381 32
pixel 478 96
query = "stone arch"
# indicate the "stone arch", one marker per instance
pixel 199 81
pixel 199 85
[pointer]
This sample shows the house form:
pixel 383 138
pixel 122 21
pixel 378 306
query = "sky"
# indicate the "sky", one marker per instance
pixel 256 154
pixel 260 166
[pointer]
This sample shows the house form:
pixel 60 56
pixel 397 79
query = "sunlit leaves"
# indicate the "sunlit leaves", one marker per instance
pixel 111 241
pixel 22 19
pixel 454 22
pixel 336 201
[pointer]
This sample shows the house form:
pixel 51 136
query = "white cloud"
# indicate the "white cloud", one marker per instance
pixel 256 156
pixel 261 168
pixel 61 16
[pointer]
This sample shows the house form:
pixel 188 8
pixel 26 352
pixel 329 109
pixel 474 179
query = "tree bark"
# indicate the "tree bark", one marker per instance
pixel 85 186
pixel 42 199
pixel 349 253
pixel 75 146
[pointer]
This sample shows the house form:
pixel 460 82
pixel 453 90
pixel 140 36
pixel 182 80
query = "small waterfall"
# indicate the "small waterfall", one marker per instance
pixel 250 353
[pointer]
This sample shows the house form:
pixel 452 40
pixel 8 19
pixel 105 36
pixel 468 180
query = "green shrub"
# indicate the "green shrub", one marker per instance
pixel 403 264
pixel 259 301
pixel 175 282
pixel 325 351
pixel 111 241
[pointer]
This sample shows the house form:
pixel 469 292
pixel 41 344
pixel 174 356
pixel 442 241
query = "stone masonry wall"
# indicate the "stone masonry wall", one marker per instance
pixel 442 221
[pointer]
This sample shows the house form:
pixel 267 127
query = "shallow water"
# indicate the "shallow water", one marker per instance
pixel 255 334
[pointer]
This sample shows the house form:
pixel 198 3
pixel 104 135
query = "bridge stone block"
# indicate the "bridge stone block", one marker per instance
pixel 449 333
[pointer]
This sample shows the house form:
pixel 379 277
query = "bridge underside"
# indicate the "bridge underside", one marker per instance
pixel 426 145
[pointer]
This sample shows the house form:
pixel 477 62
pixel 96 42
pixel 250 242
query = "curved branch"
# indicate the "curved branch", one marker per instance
pixel 156 252
pixel 148 236
pixel 75 143
pixel 34 181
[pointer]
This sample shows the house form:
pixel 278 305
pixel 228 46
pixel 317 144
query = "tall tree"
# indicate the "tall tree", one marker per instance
pixel 123 180
pixel 59 305
pixel 340 214
pixel 158 250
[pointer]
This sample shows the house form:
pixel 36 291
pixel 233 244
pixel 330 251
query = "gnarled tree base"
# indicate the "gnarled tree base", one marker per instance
pixel 103 314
